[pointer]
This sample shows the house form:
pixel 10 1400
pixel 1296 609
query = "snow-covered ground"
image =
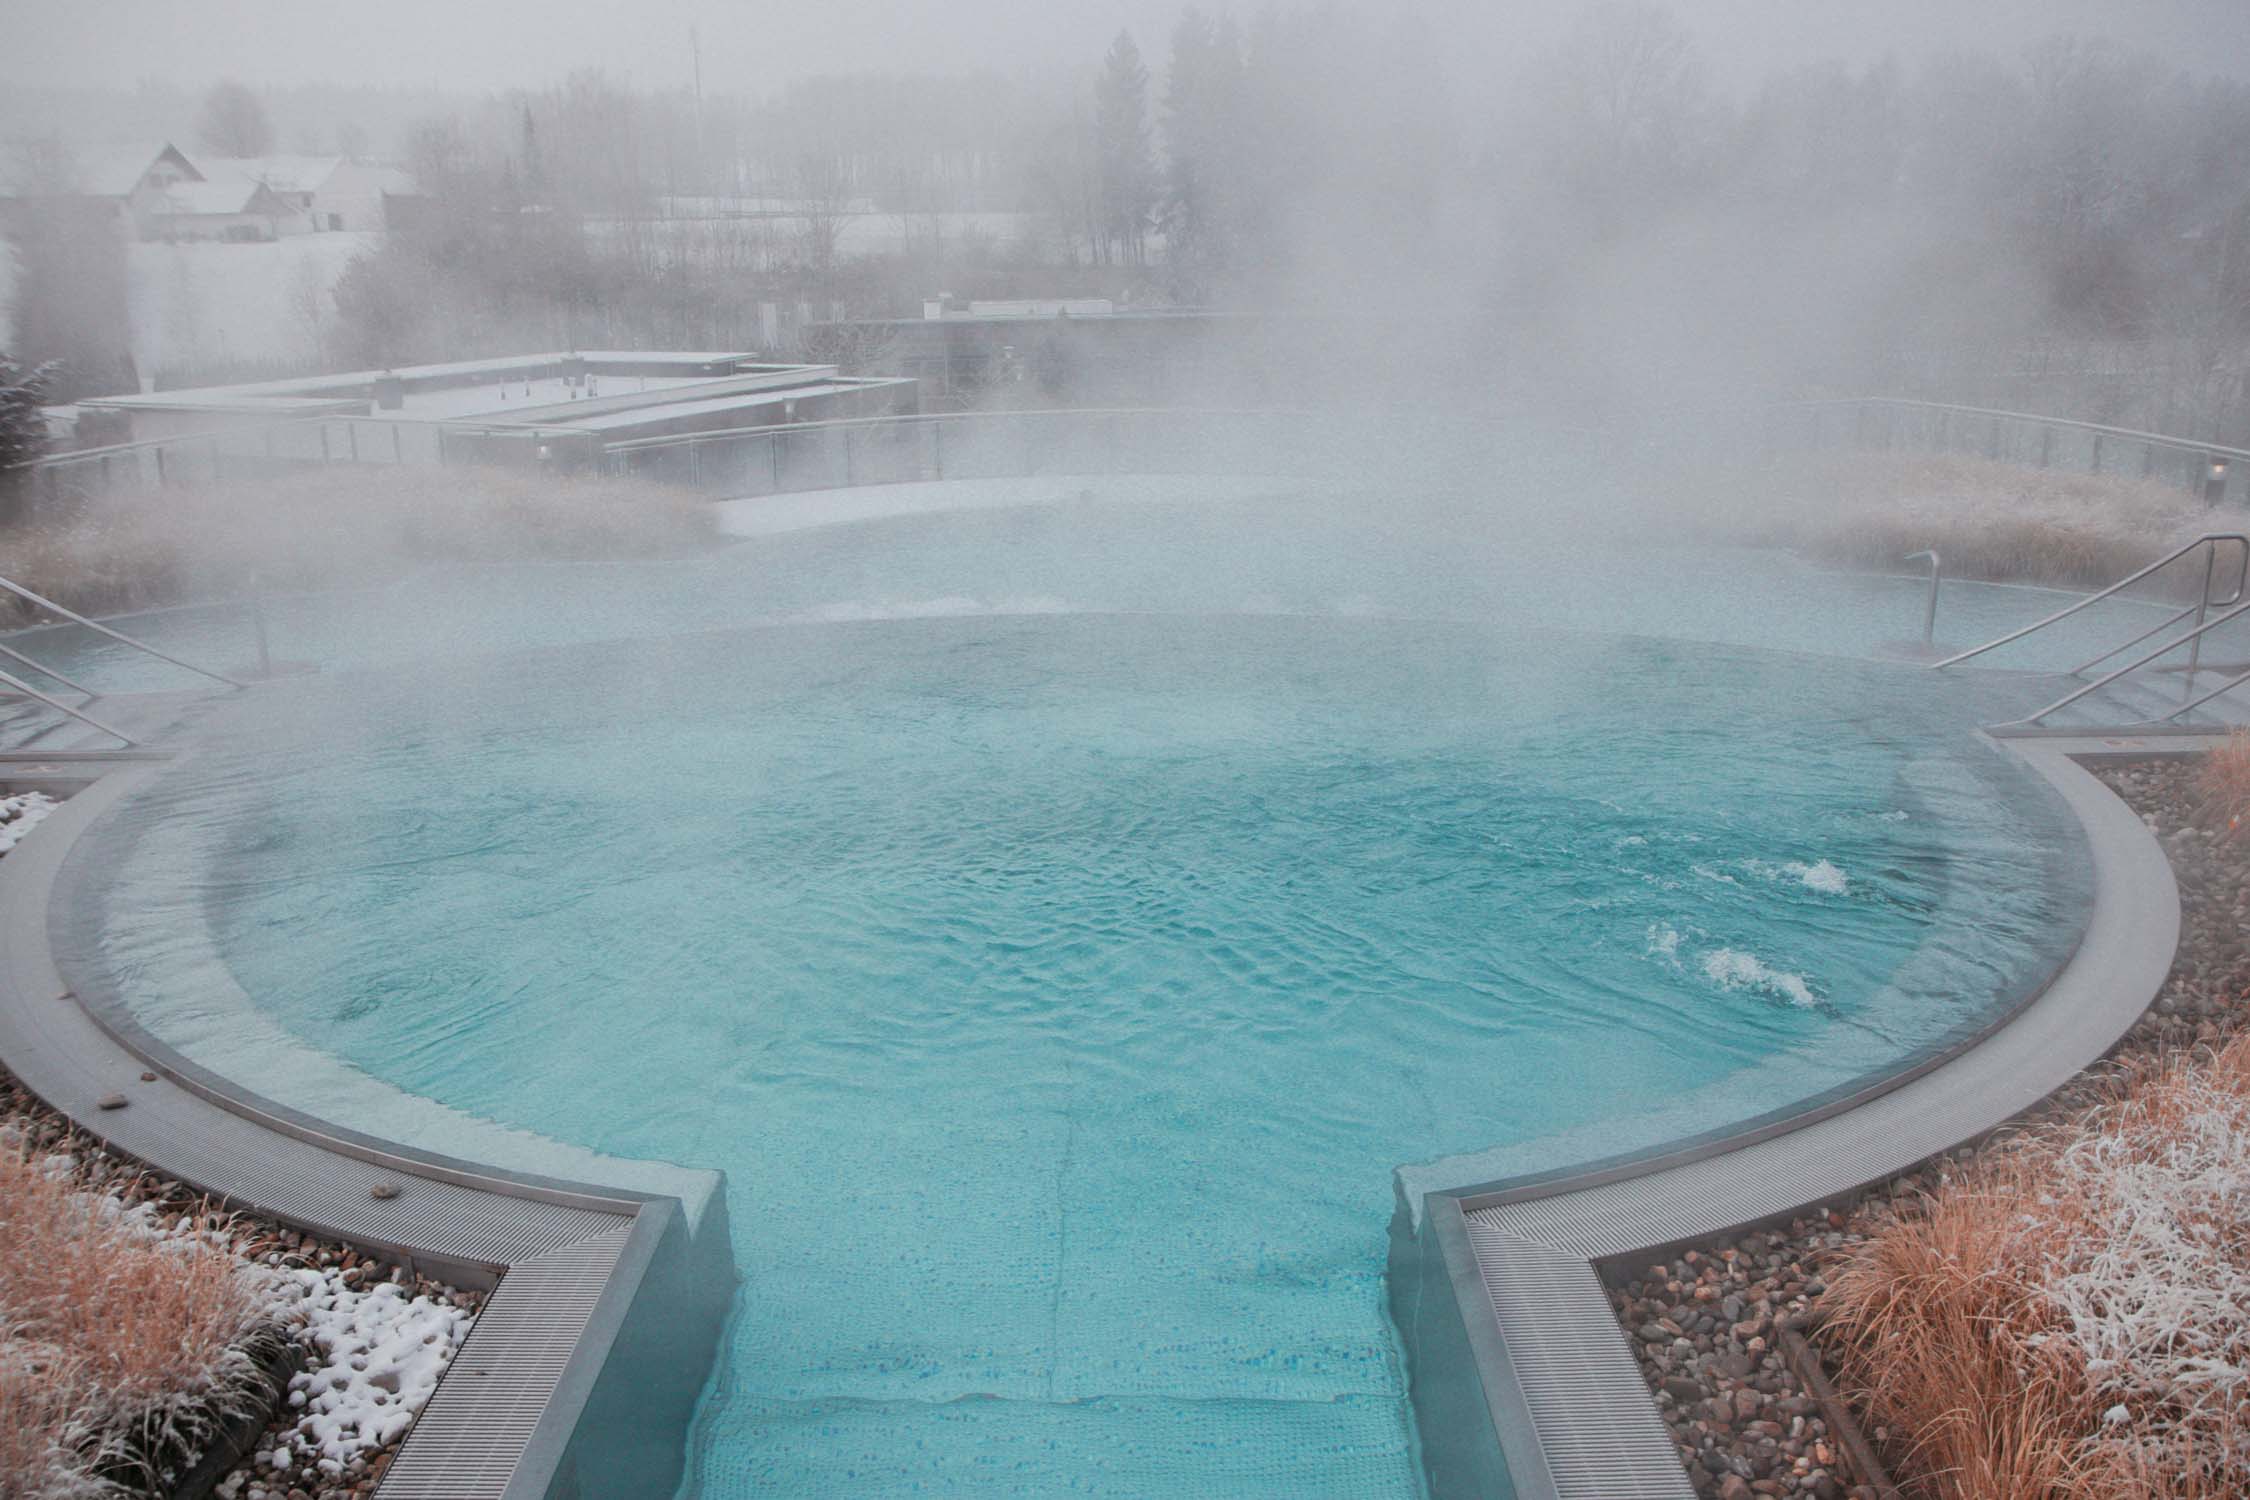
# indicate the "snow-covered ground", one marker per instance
pixel 206 306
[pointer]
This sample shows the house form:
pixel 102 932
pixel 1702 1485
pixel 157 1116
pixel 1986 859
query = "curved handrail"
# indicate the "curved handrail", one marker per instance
pixel 1929 611
pixel 2208 539
pixel 2103 429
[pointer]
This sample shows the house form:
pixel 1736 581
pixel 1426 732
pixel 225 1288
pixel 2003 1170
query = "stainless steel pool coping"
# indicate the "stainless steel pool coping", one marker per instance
pixel 579 1375
pixel 1526 1387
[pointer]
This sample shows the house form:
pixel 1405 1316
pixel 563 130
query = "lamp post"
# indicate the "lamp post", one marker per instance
pixel 2214 480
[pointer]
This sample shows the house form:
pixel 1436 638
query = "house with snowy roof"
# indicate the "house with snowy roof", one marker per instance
pixel 224 206
pixel 132 181
pixel 323 193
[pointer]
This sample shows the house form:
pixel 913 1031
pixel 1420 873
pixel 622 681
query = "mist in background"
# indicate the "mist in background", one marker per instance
pixel 1577 210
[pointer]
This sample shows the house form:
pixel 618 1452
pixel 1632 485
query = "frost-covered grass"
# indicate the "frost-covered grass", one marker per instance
pixel 129 1332
pixel 1996 521
pixel 121 1337
pixel 341 525
pixel 2070 1316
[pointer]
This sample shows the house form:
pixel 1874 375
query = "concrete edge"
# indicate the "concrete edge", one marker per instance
pixel 2116 971
pixel 613 1409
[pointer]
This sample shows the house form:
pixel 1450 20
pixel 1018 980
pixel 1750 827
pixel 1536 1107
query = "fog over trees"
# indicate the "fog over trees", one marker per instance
pixel 232 123
pixel 1616 214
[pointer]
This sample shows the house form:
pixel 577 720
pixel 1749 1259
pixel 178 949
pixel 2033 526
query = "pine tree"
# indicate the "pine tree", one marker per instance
pixel 1125 178
pixel 1202 108
pixel 1187 100
pixel 23 431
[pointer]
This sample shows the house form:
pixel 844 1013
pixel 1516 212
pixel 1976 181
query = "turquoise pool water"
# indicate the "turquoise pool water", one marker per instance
pixel 1057 991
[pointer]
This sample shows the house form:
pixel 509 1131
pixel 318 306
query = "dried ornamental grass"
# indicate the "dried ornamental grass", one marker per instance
pixel 332 527
pixel 2224 784
pixel 1997 521
pixel 2071 1316
pixel 121 1344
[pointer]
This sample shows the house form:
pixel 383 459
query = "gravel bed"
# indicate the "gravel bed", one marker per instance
pixel 96 1170
pixel 285 1462
pixel 1702 1323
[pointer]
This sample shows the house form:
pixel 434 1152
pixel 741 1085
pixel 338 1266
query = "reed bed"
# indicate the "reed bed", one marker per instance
pixel 336 526
pixel 1994 521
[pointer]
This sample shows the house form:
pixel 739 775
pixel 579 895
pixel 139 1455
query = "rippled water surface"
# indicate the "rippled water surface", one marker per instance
pixel 1058 992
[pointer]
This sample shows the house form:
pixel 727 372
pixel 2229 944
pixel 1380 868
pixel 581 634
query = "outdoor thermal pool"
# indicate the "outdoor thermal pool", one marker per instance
pixel 1058 922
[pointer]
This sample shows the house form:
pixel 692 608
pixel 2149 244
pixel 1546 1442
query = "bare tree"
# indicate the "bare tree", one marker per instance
pixel 824 201
pixel 1632 109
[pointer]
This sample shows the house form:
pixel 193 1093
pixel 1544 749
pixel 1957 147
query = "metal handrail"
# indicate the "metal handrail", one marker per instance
pixel 116 635
pixel 1929 610
pixel 2208 539
pixel 2193 704
pixel 2102 429
pixel 2164 624
pixel 2194 637
pixel 25 688
pixel 44 670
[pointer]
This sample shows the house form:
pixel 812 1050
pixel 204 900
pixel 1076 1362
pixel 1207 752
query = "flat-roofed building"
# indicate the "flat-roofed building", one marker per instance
pixel 572 405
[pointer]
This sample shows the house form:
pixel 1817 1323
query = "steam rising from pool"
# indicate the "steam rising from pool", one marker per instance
pixel 1058 990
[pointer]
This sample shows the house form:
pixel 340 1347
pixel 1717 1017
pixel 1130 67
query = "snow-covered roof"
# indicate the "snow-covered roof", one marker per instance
pixel 222 193
pixel 284 174
pixel 111 171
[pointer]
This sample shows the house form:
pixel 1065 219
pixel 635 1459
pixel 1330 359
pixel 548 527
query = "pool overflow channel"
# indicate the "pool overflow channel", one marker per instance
pixel 582 1373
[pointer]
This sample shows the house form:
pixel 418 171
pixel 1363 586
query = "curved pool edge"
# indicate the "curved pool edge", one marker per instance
pixel 1522 1383
pixel 580 1376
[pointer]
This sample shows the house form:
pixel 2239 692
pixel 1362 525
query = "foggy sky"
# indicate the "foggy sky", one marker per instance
pixel 750 48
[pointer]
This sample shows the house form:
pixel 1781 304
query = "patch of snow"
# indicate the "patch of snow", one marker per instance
pixel 383 1351
pixel 20 814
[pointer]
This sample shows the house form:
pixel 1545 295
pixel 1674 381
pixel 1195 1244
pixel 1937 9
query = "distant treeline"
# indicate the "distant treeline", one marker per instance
pixel 2067 226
